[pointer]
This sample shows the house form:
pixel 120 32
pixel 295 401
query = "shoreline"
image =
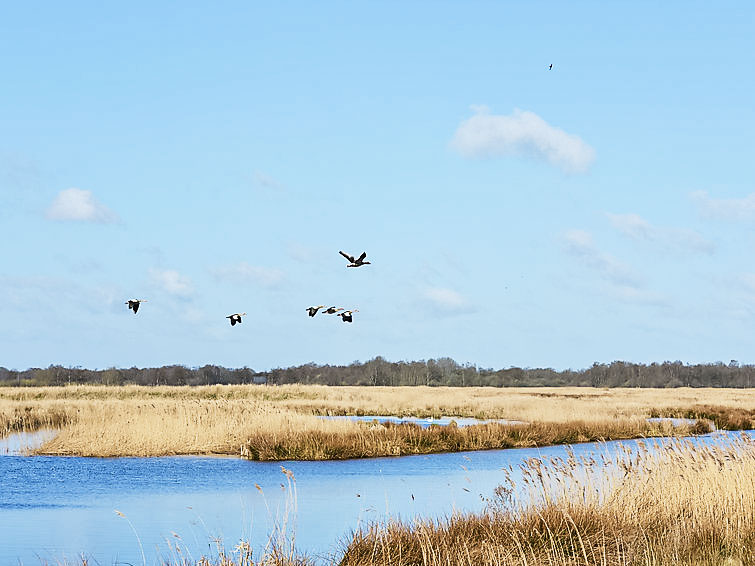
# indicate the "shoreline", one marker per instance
pixel 312 423
pixel 670 432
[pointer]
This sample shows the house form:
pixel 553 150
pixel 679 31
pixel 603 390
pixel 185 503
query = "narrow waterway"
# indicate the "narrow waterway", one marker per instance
pixel 60 508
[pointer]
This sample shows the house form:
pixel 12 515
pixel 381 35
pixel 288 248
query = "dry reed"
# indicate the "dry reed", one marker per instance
pixel 270 422
pixel 679 504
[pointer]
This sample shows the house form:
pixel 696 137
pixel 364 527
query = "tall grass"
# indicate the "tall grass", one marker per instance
pixel 402 439
pixel 268 422
pixel 681 504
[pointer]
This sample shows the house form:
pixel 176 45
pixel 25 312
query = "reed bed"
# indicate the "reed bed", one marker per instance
pixel 369 441
pixel 269 422
pixel 678 504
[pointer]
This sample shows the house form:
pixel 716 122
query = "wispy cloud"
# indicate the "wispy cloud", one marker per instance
pixel 172 282
pixel 301 252
pixel 725 209
pixel 79 205
pixel 19 172
pixel 51 295
pixel 638 295
pixel 446 301
pixel 244 273
pixel 580 244
pixel 521 133
pixel 680 239
pixel 267 182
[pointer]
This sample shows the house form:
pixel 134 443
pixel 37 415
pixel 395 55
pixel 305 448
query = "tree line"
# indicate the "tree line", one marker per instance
pixel 378 371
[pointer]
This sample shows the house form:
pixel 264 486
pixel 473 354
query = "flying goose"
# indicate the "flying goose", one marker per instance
pixel 133 304
pixel 236 318
pixel 358 262
pixel 332 310
pixel 313 310
pixel 346 315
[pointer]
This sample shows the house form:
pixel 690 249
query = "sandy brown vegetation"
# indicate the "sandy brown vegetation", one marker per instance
pixel 683 505
pixel 269 422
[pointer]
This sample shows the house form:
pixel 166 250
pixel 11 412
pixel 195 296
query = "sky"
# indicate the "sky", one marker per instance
pixel 213 159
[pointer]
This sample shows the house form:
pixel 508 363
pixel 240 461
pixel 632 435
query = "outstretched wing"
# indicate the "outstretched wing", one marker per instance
pixel 347 256
pixel 361 257
pixel 135 306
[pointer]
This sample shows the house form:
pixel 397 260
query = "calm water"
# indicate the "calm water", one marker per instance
pixel 56 508
pixel 424 423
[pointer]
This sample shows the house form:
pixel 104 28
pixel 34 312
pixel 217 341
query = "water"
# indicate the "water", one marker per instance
pixel 56 508
pixel 424 423
pixel 24 442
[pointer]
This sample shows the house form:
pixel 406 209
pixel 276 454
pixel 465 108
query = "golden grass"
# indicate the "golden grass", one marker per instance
pixel 683 505
pixel 269 422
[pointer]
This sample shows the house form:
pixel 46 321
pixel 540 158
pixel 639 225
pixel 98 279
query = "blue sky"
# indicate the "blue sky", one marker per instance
pixel 214 160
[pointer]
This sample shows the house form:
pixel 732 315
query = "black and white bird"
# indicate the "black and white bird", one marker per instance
pixel 313 310
pixel 346 315
pixel 236 318
pixel 133 304
pixel 332 310
pixel 355 262
pixel 550 68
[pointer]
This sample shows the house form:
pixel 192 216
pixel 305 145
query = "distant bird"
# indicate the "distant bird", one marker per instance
pixel 313 310
pixel 551 67
pixel 346 315
pixel 236 318
pixel 358 262
pixel 332 310
pixel 133 304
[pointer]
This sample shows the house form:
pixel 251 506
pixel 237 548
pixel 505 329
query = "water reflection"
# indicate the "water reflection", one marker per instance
pixel 22 443
pixel 422 422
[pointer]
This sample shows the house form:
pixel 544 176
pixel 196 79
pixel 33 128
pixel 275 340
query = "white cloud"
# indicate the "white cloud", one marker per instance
pixel 725 209
pixel 637 228
pixel 81 206
pixel 172 282
pixel 446 300
pixel 521 133
pixel 243 273
pixel 580 244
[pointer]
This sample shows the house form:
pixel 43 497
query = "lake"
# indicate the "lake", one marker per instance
pixel 58 508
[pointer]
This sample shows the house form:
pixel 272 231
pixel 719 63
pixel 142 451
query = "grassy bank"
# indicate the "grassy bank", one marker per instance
pixel 275 423
pixel 672 505
pixel 403 439
pixel 685 505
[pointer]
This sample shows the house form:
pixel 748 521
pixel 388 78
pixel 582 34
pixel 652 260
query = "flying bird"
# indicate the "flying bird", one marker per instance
pixel 332 310
pixel 346 315
pixel 133 304
pixel 551 67
pixel 313 310
pixel 236 318
pixel 358 262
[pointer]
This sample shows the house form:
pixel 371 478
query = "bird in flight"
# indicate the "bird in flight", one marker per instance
pixel 346 315
pixel 550 68
pixel 358 262
pixel 313 310
pixel 332 310
pixel 133 304
pixel 236 318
